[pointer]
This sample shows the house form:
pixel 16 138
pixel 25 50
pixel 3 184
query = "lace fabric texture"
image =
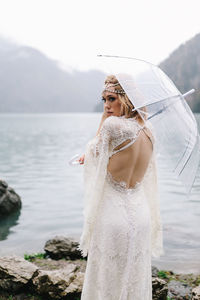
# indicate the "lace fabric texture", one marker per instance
pixel 122 227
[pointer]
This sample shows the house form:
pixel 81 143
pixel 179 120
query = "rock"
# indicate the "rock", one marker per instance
pixel 10 201
pixel 52 264
pixel 159 289
pixel 154 271
pixel 62 247
pixel 3 187
pixel 15 273
pixel 59 283
pixel 196 293
pixel 178 290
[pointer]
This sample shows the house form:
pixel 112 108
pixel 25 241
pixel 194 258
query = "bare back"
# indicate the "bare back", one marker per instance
pixel 130 164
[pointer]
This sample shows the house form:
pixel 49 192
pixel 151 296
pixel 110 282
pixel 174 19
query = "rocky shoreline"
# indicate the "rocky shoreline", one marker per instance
pixel 58 273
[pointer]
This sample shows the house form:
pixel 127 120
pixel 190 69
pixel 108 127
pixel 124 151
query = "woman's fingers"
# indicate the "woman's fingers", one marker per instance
pixel 81 159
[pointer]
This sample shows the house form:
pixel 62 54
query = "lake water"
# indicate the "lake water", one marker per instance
pixel 34 154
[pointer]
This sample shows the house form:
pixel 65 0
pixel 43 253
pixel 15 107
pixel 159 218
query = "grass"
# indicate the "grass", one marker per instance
pixel 31 257
pixel 163 274
pixel 191 280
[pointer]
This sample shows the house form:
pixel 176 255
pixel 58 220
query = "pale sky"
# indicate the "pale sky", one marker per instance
pixel 74 31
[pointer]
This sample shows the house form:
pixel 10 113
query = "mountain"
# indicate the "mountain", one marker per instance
pixel 183 67
pixel 31 82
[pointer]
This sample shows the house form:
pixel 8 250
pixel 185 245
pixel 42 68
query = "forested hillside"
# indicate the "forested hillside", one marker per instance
pixel 183 67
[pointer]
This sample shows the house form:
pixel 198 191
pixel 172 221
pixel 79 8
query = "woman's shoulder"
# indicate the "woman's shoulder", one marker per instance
pixel 116 126
pixel 111 123
pixel 111 120
pixel 115 121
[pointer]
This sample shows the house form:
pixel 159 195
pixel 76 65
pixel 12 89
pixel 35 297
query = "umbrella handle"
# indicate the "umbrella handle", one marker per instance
pixel 73 160
pixel 189 93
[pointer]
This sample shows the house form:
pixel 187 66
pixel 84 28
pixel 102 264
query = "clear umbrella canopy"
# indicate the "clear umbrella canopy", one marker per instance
pixel 150 90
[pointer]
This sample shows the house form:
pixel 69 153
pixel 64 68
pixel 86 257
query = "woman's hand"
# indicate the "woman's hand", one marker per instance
pixel 81 159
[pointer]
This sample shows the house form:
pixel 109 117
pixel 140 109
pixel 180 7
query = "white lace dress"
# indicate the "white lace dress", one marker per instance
pixel 122 228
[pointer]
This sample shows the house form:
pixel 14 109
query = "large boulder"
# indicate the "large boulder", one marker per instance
pixel 62 247
pixel 59 283
pixel 196 293
pixel 15 273
pixel 10 201
pixel 159 289
pixel 178 290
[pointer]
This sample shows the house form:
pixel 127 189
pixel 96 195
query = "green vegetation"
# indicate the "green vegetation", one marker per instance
pixel 83 258
pixel 191 280
pixel 31 257
pixel 162 274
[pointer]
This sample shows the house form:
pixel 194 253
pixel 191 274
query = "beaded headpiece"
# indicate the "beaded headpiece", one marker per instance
pixel 109 85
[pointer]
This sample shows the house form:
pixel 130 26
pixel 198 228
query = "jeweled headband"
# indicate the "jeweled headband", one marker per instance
pixel 109 84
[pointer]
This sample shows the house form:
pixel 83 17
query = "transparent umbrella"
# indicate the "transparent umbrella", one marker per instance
pixel 153 93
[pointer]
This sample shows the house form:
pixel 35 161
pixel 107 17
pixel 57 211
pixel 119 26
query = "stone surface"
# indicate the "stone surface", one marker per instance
pixel 10 201
pixel 62 247
pixel 159 289
pixel 51 264
pixel 59 283
pixel 196 293
pixel 178 290
pixel 15 273
pixel 63 279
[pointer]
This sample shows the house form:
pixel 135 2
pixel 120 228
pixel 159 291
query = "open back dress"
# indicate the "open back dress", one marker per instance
pixel 122 228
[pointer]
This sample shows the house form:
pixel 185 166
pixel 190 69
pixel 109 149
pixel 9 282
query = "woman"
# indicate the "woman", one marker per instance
pixel 122 228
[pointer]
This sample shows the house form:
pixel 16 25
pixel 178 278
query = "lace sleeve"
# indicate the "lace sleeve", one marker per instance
pixel 120 130
pixel 95 170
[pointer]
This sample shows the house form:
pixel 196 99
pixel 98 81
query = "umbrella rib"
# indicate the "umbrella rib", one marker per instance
pixel 162 109
pixel 127 57
pixel 183 156
pixel 184 95
pixel 150 103
pixel 186 160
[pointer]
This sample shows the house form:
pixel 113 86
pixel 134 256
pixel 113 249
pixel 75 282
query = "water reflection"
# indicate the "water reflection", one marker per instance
pixel 7 223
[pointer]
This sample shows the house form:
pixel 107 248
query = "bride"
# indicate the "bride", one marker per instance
pixel 122 227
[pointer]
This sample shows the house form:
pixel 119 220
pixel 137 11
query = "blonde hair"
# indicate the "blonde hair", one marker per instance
pixel 126 105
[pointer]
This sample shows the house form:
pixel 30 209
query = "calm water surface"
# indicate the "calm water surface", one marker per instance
pixel 34 154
